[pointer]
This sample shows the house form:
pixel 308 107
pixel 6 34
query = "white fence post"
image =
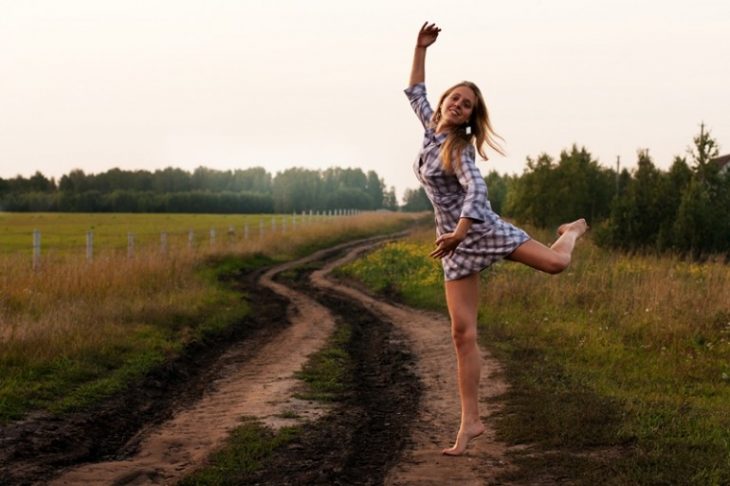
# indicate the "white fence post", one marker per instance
pixel 163 242
pixel 212 236
pixel 130 245
pixel 261 228
pixel 191 238
pixel 245 231
pixel 36 249
pixel 89 246
pixel 273 224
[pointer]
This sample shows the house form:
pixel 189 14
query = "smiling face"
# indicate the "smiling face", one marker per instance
pixel 457 106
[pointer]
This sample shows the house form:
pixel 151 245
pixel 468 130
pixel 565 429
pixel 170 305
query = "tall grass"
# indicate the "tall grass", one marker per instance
pixel 74 331
pixel 618 350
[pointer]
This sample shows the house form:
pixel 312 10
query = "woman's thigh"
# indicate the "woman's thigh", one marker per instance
pixel 538 256
pixel 462 298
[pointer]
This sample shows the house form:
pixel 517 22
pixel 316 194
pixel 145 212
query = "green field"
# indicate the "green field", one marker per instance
pixel 66 232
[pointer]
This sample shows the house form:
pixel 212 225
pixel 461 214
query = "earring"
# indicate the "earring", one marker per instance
pixel 468 129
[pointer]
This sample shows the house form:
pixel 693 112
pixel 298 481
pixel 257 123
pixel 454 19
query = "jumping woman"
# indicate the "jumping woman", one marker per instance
pixel 470 235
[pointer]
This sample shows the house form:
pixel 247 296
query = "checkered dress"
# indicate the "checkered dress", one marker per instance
pixel 462 194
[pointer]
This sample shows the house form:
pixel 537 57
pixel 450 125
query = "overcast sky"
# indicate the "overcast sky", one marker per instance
pixel 235 84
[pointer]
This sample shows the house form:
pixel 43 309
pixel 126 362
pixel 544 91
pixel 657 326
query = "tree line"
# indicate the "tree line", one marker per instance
pixel 685 209
pixel 204 190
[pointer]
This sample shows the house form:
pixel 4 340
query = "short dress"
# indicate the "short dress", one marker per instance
pixel 461 194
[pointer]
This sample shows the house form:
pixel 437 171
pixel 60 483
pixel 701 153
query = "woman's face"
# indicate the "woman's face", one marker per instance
pixel 458 106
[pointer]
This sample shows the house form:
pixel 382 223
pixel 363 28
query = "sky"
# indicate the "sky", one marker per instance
pixel 226 84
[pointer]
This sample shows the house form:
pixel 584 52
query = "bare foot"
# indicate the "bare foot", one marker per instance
pixel 462 439
pixel 579 226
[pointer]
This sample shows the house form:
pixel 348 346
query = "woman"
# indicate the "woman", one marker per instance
pixel 470 235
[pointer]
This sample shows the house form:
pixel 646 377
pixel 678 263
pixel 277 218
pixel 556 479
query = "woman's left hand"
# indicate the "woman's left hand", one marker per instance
pixel 446 244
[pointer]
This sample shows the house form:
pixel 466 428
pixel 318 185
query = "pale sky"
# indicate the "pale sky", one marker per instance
pixel 235 84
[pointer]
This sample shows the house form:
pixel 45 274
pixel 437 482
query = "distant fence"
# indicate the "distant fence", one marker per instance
pixel 277 223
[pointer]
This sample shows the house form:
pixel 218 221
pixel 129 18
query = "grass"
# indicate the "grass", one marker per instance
pixel 328 372
pixel 244 452
pixel 75 332
pixel 619 366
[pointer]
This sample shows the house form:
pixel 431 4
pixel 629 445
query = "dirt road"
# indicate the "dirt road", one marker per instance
pixel 428 336
pixel 404 411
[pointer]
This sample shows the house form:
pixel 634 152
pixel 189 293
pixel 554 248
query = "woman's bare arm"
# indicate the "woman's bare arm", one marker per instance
pixel 426 36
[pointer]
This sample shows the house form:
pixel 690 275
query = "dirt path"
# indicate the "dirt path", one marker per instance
pixel 261 387
pixel 429 337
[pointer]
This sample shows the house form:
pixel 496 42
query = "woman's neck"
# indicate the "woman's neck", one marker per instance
pixel 443 127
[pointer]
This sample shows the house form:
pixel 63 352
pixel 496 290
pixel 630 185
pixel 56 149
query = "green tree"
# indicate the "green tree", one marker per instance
pixel 705 148
pixel 39 183
pixel 76 181
pixel 497 187
pixel 672 186
pixel 703 220
pixel 635 215
pixel 389 199
pixel 375 189
pixel 693 228
pixel 530 198
pixel 415 200
pixel 297 189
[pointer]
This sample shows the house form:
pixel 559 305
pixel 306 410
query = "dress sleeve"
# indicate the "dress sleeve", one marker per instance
pixel 476 200
pixel 417 96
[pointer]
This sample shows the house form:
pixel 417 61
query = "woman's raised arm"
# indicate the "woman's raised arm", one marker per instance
pixel 426 36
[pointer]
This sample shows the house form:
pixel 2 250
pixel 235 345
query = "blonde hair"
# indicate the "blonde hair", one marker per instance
pixel 458 139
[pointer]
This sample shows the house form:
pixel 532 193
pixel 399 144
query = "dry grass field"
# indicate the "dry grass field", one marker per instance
pixel 75 330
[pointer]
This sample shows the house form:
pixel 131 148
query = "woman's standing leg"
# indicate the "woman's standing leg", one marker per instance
pixel 462 298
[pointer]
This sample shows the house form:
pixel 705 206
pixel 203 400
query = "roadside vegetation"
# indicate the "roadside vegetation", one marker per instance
pixel 74 332
pixel 619 367
pixel 246 449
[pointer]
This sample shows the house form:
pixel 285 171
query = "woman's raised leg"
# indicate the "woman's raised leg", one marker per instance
pixel 462 298
pixel 553 259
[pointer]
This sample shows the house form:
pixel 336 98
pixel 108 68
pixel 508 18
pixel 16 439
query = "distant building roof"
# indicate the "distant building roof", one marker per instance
pixel 723 161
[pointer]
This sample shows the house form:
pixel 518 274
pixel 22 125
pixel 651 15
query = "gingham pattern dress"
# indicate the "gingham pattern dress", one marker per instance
pixel 462 194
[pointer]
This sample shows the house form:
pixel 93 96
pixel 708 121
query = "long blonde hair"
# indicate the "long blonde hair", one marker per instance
pixel 458 139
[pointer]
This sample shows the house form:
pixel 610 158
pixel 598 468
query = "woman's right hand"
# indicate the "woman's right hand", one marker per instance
pixel 427 35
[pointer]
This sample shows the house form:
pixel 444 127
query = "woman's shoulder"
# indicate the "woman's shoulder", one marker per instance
pixel 418 89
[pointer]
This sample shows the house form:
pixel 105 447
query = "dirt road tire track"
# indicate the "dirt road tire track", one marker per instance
pixel 364 436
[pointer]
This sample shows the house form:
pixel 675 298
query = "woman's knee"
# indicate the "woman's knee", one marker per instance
pixel 463 333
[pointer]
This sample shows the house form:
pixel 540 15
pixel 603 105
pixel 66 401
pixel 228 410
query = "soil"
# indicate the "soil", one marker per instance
pixel 390 429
